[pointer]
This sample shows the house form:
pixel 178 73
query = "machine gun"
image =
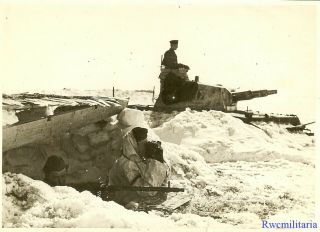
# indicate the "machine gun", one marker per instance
pixel 114 188
pixel 106 192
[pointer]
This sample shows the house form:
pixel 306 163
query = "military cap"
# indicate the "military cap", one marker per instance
pixel 173 41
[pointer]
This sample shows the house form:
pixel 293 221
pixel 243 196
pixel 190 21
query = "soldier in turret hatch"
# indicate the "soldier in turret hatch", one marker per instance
pixel 170 60
pixel 173 75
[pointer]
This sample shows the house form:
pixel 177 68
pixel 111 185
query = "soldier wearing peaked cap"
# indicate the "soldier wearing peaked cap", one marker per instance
pixel 173 74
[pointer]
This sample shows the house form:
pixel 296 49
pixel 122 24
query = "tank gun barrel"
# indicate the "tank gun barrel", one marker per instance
pixel 247 95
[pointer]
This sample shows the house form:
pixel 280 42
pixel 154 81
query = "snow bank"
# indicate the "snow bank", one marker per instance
pixel 30 203
pixel 8 117
pixel 219 137
pixel 242 193
pixel 236 175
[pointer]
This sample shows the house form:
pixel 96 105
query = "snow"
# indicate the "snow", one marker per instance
pixel 30 203
pixel 248 174
pixel 8 117
pixel 219 137
pixel 236 174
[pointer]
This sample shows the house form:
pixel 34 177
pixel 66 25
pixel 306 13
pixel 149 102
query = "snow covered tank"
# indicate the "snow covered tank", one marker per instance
pixel 178 95
pixel 203 97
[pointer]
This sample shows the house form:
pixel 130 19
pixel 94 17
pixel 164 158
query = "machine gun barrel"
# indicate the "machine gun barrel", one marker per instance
pixel 113 188
pixel 247 95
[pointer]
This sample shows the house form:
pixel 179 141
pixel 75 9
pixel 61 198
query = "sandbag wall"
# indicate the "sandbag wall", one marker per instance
pixel 89 152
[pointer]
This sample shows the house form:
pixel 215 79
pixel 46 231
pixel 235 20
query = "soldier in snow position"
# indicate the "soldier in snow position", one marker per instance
pixel 141 165
pixel 55 171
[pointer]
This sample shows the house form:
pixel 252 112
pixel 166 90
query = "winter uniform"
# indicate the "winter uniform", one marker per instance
pixel 131 169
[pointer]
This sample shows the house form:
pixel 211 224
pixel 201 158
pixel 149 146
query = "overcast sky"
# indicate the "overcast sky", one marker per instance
pixel 96 46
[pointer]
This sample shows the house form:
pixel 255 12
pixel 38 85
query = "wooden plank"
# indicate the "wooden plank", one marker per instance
pixel 54 126
pixel 174 202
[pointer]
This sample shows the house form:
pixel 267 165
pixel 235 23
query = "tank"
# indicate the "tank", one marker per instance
pixel 205 97
pixel 177 95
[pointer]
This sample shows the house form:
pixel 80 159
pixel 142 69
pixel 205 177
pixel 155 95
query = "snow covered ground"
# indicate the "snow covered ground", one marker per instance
pixel 236 174
pixel 241 173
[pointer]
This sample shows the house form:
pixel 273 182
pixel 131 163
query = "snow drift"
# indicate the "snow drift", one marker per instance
pixel 237 175
pixel 219 137
pixel 30 203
